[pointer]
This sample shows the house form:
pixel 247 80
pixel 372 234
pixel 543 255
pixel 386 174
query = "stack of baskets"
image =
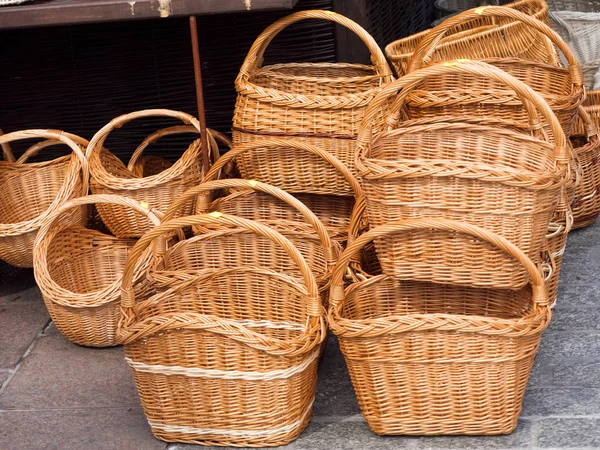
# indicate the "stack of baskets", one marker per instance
pixel 452 190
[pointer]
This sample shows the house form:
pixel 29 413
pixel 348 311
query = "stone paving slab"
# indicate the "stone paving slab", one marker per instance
pixel 569 433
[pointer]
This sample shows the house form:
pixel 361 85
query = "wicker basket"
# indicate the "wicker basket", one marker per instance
pixel 110 176
pixel 586 205
pixel 561 87
pixel 318 103
pixel 79 272
pixel 429 359
pixel 580 31
pixel 574 5
pixel 32 191
pixel 304 230
pixel 230 356
pixel 497 178
pixel 476 36
pixel 332 210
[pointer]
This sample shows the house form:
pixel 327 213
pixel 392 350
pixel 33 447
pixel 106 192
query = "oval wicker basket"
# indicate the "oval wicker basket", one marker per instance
pixel 317 103
pixel 427 358
pixel 33 191
pixel 228 357
pixel 497 178
pixel 332 210
pixel 79 272
pixel 476 35
pixel 110 176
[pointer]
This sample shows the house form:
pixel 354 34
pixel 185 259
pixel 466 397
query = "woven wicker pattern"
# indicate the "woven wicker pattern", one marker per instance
pixel 562 88
pixel 502 180
pixel 228 357
pixel 79 272
pixel 32 191
pixel 574 5
pixel 317 103
pixel 483 37
pixel 426 358
pixel 586 205
pixel 110 176
pixel 334 211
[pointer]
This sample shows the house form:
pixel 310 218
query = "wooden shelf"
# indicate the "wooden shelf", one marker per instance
pixel 65 12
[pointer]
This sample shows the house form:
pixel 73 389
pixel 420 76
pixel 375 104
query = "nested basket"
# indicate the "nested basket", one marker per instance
pixel 456 95
pixel 228 357
pixel 317 103
pixel 110 176
pixel 79 272
pixel 239 247
pixel 31 191
pixel 482 37
pixel 428 358
pixel 496 178
pixel 586 204
pixel 332 210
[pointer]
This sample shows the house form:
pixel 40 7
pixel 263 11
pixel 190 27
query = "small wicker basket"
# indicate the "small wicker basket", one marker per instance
pixel 427 358
pixel 228 357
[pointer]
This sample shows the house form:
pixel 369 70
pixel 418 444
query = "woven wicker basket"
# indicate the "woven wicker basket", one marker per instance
pixel 110 176
pixel 228 357
pixel 574 5
pixel 79 272
pixel 32 191
pixel 497 178
pixel 475 36
pixel 429 359
pixel 332 210
pixel 561 87
pixel 586 205
pixel 303 229
pixel 318 103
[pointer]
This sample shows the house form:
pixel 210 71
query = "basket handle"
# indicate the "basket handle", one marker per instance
pixel 36 148
pixel 40 248
pixel 588 124
pixel 255 56
pixel 337 281
pixel 531 100
pixel 203 206
pixel 178 129
pixel 7 153
pixel 314 307
pixel 427 45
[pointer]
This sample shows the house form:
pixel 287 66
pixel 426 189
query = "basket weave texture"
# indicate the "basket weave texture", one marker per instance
pixel 317 103
pixel 427 358
pixel 228 357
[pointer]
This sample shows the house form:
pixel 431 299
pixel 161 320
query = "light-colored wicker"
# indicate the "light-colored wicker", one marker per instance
pixel 317 103
pixel 586 204
pixel 561 87
pixel 496 178
pixel 228 357
pixel 79 272
pixel 574 5
pixel 482 37
pixel 32 191
pixel 110 176
pixel 332 210
pixel 238 247
pixel 427 358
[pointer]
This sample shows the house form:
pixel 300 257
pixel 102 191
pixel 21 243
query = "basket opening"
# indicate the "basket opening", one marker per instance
pixel 384 296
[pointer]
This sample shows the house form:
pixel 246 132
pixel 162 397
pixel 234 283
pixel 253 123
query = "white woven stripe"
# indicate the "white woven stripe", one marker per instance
pixel 269 324
pixel 223 374
pixel 561 252
pixel 232 433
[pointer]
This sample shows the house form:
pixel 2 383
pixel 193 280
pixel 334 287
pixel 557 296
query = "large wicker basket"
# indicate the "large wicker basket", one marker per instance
pixel 230 356
pixel 427 358
pixel 561 87
pixel 318 103
pixel 476 36
pixel 79 272
pixel 332 210
pixel 496 178
pixel 33 191
pixel 110 176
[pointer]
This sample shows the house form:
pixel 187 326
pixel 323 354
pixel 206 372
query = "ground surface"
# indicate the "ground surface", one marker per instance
pixel 55 395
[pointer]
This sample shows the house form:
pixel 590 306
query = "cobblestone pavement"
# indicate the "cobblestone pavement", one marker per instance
pixel 55 395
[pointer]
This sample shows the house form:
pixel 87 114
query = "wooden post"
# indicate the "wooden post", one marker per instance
pixel 199 93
